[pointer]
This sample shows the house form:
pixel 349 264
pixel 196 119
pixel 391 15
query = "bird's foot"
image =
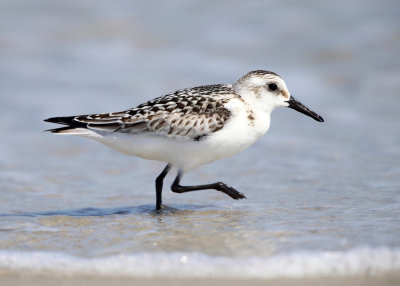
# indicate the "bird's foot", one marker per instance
pixel 230 191
pixel 162 209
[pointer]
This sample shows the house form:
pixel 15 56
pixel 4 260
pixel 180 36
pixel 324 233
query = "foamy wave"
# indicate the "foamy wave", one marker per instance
pixel 359 261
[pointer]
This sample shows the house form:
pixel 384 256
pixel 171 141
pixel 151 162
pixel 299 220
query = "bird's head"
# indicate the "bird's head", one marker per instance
pixel 267 90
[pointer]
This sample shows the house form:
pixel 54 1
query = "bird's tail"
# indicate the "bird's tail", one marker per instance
pixel 65 120
pixel 72 127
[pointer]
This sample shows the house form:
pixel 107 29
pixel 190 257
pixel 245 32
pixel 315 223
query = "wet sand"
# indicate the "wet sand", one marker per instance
pixel 34 280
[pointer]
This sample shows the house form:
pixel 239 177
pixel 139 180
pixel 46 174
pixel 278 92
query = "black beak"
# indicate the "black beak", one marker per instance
pixel 296 105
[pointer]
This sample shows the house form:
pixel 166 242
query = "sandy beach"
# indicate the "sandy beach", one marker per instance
pixel 35 280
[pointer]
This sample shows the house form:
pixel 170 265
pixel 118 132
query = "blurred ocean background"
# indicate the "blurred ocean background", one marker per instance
pixel 322 199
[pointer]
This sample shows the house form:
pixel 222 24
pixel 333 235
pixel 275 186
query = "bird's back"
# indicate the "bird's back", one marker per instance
pixel 187 114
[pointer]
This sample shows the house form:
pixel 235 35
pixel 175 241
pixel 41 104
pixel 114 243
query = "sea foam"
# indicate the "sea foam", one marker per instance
pixel 362 261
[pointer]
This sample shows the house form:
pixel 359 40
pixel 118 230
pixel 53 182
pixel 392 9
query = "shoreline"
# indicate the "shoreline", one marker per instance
pixel 23 278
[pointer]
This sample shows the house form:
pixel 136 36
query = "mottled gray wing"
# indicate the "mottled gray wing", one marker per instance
pixel 189 114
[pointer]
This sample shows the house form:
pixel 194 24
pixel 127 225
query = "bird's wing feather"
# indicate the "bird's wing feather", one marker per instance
pixel 190 114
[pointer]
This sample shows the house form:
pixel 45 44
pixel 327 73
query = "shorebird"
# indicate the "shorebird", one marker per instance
pixel 190 127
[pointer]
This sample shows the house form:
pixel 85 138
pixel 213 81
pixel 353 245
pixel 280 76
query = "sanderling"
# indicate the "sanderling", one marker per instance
pixel 191 127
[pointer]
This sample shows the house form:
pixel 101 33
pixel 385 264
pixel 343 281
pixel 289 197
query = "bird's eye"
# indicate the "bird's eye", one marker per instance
pixel 272 86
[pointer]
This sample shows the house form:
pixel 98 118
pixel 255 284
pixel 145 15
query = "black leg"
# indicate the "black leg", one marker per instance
pixel 159 185
pixel 215 186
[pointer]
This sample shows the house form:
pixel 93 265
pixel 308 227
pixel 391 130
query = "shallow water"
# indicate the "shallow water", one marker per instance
pixel 322 199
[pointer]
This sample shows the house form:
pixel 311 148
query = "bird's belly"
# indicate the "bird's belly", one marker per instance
pixel 179 152
pixel 235 137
